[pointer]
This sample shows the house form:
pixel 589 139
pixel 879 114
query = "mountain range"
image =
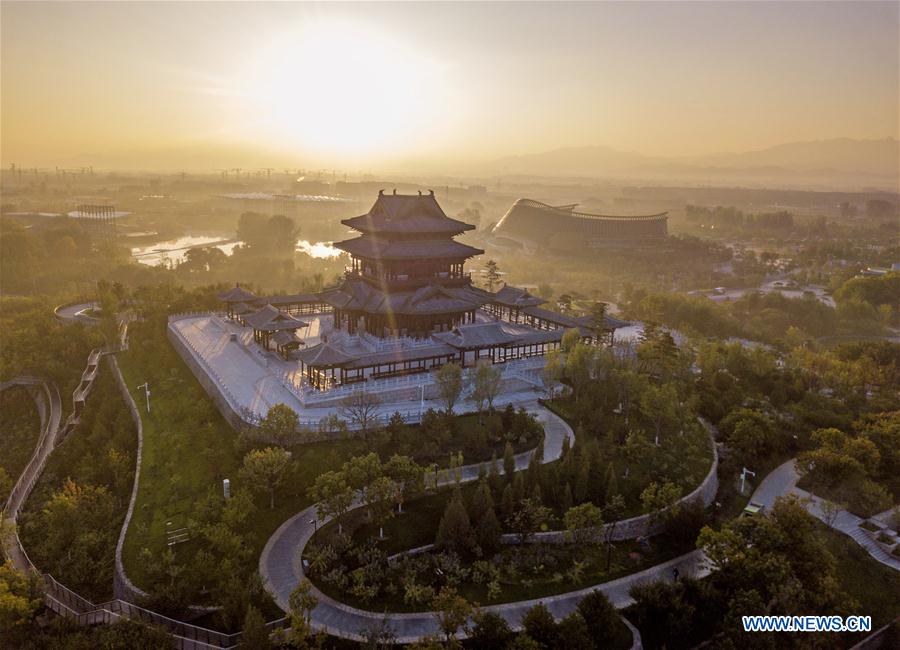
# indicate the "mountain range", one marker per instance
pixel 857 161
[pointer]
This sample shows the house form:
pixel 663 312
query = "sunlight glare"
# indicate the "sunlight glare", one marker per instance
pixel 340 88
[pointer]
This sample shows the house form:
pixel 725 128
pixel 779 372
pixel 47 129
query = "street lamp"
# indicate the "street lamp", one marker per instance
pixel 744 473
pixel 315 523
pixel 146 387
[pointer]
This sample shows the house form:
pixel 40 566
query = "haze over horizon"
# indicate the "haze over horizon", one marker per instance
pixel 437 87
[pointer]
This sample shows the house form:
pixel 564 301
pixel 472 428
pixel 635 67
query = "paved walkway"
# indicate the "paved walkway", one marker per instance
pixel 783 480
pixel 280 568
pixel 78 312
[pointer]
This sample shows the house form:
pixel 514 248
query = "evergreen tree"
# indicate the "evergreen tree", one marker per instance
pixel 567 500
pixel 611 483
pixel 482 501
pixel 582 481
pixel 507 502
pixel 596 483
pixel 518 488
pixel 455 530
pixel 509 462
pixel 255 636
pixel 487 533
pixel 494 479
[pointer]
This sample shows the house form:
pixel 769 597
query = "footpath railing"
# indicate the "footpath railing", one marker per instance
pixel 59 598
pixel 185 636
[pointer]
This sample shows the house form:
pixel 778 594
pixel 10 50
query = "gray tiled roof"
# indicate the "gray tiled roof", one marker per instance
pixel 285 337
pixel 405 213
pixel 515 297
pixel 398 356
pixel 406 249
pixel 323 355
pixel 358 295
pixel 271 319
pixel 570 321
pixel 480 335
pixel 237 294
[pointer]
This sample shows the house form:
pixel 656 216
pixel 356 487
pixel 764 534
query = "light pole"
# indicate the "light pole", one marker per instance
pixel 744 473
pixel 315 523
pixel 146 387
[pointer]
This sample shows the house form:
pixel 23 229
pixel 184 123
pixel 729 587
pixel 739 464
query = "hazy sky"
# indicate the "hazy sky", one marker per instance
pixel 226 84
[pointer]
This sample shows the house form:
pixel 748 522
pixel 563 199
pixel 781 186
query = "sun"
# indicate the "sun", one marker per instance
pixel 340 88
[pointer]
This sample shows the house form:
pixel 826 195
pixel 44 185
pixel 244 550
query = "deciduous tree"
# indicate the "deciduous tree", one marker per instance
pixel 265 469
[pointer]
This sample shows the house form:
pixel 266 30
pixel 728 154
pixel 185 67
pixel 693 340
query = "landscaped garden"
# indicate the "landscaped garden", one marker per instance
pixel 642 458
pixel 189 449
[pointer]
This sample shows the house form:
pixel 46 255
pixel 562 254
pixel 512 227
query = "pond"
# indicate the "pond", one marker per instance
pixel 172 251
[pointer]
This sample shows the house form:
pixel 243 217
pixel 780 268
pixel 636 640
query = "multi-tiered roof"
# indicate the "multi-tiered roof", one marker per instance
pixel 407 269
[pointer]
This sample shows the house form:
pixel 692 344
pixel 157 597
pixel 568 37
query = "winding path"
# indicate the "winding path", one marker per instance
pixel 281 569
pixel 783 480
pixel 49 405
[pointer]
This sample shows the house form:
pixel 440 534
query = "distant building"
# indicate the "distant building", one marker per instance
pixel 536 225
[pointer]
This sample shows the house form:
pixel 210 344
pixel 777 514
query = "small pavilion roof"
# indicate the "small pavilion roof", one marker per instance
pixel 286 337
pixel 238 294
pixel 324 355
pixel 476 336
pixel 242 308
pixel 272 319
pixel 407 213
pixel 515 297
pixel 372 247
pixel 293 299
pixel 584 322
pixel 399 356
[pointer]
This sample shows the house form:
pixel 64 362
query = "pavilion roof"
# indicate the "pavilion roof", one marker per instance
pixel 293 299
pixel 373 247
pixel 242 308
pixel 515 297
pixel 237 294
pixel 565 320
pixel 398 356
pixel 286 337
pixel 324 355
pixel 358 295
pixel 407 213
pixel 271 319
pixel 478 335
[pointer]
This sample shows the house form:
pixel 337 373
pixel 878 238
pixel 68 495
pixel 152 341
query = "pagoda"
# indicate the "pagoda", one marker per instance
pixel 406 276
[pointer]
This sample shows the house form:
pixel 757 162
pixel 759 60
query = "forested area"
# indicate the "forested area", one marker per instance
pixel 864 306
pixel 72 518
pixel 20 428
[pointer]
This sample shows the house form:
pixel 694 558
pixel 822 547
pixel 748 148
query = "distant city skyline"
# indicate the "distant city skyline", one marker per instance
pixel 205 85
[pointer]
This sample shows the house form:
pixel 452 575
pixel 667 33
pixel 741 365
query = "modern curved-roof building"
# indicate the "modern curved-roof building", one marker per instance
pixel 537 225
